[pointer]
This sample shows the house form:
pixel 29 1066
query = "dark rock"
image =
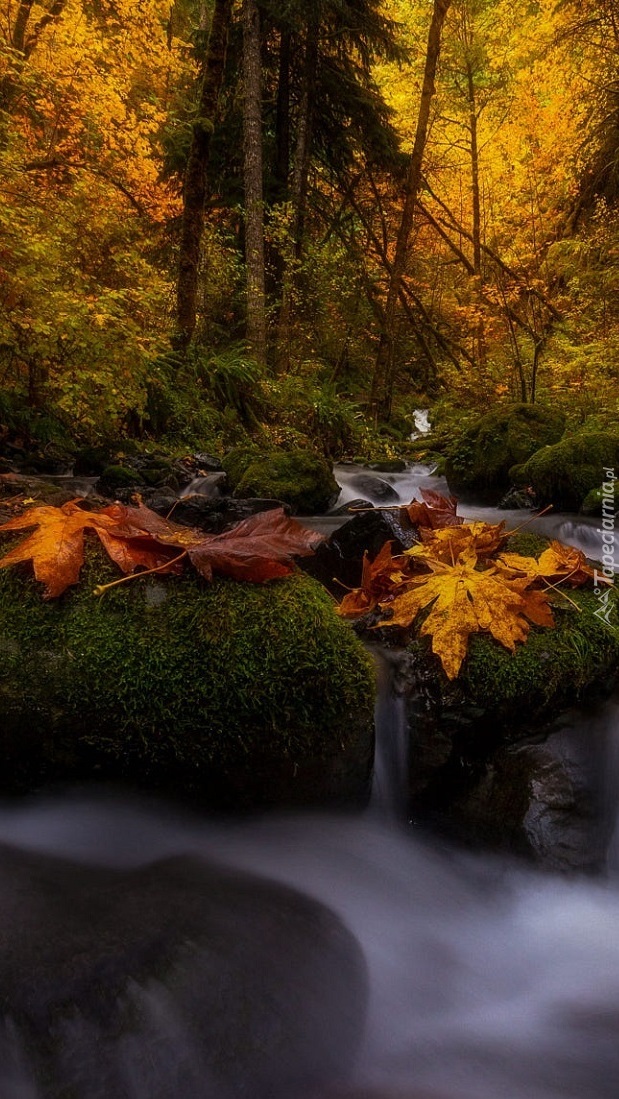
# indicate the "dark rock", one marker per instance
pixel 373 488
pixel 522 498
pixel 388 465
pixel 207 462
pixel 542 799
pixel 340 559
pixel 174 979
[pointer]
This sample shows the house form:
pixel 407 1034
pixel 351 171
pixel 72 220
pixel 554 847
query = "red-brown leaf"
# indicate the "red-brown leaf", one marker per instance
pixel 260 548
pixel 434 511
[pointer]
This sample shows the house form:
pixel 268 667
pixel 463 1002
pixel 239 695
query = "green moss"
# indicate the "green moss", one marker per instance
pixel 117 477
pixel 160 673
pixel 481 456
pixel 552 668
pixel 593 503
pixel 564 474
pixel 297 477
pixel 527 543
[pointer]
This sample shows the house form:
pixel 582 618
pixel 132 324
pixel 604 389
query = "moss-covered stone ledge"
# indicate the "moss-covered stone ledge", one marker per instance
pixel 234 694
pixel 299 478
pixel 480 457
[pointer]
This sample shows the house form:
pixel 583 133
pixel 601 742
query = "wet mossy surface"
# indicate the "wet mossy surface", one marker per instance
pixel 480 458
pixel 565 474
pixel 243 692
pixel 299 478
pixel 552 669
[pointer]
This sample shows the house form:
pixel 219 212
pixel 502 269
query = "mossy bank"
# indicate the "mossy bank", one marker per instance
pixel 236 694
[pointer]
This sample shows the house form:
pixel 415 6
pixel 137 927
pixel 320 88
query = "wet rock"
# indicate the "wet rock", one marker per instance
pixel 388 465
pixel 178 978
pixel 339 560
pixel 544 800
pixel 373 488
pixel 207 462
pixel 521 498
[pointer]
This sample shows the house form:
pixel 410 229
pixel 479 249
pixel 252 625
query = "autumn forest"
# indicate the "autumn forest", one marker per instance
pixel 301 220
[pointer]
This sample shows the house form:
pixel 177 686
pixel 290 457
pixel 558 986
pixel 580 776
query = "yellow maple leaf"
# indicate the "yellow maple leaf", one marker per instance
pixel 557 562
pixel 448 544
pixel 465 600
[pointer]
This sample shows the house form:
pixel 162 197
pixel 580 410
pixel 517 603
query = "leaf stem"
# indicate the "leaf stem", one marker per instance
pixel 101 588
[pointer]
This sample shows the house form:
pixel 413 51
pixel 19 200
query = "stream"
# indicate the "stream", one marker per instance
pixel 486 978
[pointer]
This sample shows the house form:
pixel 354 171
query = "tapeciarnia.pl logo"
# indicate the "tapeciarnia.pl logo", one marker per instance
pixel 603 581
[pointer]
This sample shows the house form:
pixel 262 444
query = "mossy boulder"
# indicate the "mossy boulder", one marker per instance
pixel 300 478
pixel 237 694
pixel 601 499
pixel 479 460
pixel 564 474
pixel 462 730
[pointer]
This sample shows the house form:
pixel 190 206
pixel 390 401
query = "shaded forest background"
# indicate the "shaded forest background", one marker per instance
pixel 301 220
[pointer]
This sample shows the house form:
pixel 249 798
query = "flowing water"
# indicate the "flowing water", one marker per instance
pixel 384 489
pixel 487 979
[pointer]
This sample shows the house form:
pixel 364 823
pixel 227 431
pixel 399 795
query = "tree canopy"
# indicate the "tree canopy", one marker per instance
pixel 300 221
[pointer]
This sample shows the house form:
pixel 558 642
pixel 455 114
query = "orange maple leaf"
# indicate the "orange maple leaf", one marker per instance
pixel 379 578
pixel 56 546
pixel 257 549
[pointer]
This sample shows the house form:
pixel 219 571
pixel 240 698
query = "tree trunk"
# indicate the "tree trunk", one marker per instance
pixel 196 174
pixel 252 169
pixel 23 41
pixel 274 257
pixel 299 190
pixel 382 382
pixel 476 229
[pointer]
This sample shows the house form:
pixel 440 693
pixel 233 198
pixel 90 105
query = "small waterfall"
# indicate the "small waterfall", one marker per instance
pixel 389 797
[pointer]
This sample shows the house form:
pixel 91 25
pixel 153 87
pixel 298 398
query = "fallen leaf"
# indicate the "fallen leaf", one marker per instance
pixel 433 510
pixel 260 548
pixel 379 578
pixel 449 543
pixel 465 600
pixel 557 562
pixel 56 546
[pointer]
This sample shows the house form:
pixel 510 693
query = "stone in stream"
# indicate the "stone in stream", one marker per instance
pixel 233 694
pixel 176 979
pixel 373 488
pixel 338 561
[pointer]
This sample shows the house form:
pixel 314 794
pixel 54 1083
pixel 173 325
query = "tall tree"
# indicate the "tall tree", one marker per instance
pixel 382 382
pixel 252 173
pixel 194 194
